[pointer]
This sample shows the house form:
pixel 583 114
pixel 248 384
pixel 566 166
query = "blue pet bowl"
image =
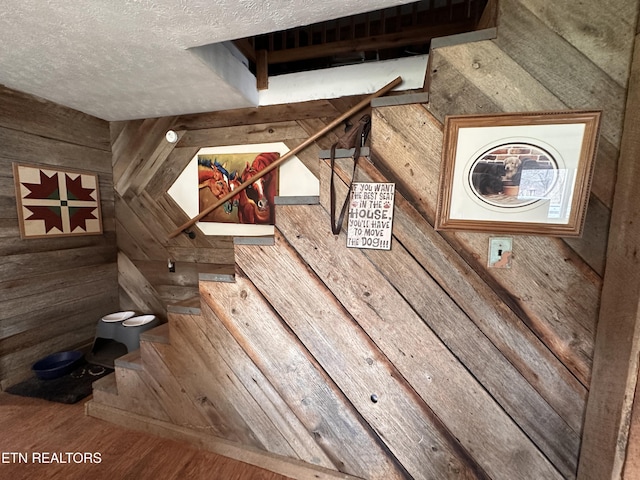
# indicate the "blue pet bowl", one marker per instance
pixel 57 364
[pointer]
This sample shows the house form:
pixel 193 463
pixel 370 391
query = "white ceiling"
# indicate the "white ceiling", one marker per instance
pixel 125 59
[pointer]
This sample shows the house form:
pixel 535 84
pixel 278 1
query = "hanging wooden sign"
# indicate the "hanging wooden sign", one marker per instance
pixel 371 216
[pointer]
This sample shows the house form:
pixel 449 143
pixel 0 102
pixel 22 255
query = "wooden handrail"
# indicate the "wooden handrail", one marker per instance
pixel 356 108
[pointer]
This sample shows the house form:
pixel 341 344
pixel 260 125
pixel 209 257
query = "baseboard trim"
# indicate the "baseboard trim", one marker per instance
pixel 281 465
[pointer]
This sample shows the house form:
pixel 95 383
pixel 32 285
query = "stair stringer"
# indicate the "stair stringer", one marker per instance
pixel 180 377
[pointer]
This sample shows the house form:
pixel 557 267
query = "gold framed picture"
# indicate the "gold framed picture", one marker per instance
pixel 527 173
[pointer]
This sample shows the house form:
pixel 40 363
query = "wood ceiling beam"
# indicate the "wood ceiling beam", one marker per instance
pixel 246 48
pixel 380 42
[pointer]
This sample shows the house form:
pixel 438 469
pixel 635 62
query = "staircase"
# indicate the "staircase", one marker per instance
pixel 131 387
pixel 160 389
pixel 145 381
pixel 318 359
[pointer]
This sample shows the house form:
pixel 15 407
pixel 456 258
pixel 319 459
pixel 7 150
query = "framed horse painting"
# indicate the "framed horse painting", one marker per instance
pixel 526 173
pixel 219 174
pixel 214 172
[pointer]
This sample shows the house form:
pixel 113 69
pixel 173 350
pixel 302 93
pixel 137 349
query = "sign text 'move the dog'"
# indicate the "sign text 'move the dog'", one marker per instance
pixel 371 216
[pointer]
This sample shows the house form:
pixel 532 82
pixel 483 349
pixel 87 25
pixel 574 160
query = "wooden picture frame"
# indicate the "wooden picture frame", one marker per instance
pixel 526 173
pixel 294 184
pixel 56 202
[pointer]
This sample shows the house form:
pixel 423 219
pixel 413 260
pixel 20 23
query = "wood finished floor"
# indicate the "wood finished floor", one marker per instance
pixel 31 425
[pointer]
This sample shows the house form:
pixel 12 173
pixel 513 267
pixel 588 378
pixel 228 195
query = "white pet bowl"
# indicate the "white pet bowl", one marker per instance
pixel 118 316
pixel 138 321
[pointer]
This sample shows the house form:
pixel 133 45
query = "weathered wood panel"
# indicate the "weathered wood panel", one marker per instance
pixel 342 348
pixel 136 164
pixel 602 31
pixel 140 291
pixel 301 441
pixel 237 415
pixel 617 353
pixel 25 265
pixel 470 320
pixel 135 394
pixel 561 67
pixel 479 373
pixel 15 321
pixel 386 319
pixel 545 284
pixel 631 467
pixel 28 148
pixel 259 133
pixel 52 290
pixel 299 380
pixel 498 76
pixel 177 403
pixel 36 116
pixel 171 170
pixel 250 116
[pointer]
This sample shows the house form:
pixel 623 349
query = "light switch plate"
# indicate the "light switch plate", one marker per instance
pixel 500 252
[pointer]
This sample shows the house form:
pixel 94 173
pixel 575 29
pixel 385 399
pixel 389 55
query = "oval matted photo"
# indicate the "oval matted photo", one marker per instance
pixel 513 175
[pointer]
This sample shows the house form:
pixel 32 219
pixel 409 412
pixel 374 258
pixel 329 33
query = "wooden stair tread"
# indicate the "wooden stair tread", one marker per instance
pixel 214 272
pixel 219 268
pixel 216 277
pixel 159 334
pixel 106 384
pixel 105 390
pixel 132 361
pixel 190 306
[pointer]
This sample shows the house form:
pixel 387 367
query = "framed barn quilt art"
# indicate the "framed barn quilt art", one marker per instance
pixel 56 202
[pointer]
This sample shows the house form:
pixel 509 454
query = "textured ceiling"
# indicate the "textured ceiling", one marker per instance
pixel 124 59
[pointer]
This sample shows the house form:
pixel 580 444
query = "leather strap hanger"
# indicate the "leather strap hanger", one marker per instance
pixel 354 138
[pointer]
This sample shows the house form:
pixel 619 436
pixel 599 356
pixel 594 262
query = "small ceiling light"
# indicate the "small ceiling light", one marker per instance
pixel 171 136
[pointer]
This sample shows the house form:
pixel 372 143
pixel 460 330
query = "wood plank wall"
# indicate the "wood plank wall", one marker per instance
pixel 610 442
pixel 414 363
pixel 52 290
pixel 144 168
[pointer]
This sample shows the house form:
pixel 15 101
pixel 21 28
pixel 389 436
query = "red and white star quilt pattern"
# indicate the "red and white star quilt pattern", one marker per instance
pixel 53 202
